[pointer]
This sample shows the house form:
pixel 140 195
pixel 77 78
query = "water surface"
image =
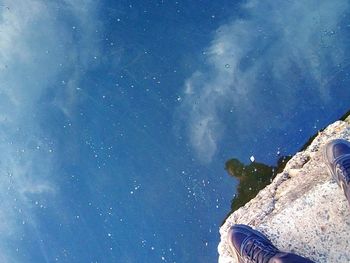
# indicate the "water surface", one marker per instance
pixel 117 117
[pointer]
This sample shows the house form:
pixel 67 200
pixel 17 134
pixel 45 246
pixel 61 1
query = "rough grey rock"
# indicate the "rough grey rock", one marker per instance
pixel 303 210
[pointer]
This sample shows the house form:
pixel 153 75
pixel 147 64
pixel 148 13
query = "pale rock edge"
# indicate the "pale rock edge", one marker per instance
pixel 303 210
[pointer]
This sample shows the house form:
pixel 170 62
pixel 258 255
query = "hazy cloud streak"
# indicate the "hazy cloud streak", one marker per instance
pixel 36 50
pixel 277 51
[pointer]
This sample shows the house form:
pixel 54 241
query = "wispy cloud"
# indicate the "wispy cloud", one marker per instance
pixel 38 54
pixel 270 54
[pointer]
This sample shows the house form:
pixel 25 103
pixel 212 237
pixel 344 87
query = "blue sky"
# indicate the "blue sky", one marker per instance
pixel 117 117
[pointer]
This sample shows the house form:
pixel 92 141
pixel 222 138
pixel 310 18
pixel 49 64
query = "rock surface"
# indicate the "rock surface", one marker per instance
pixel 303 210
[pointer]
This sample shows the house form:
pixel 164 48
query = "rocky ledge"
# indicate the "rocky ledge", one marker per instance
pixel 303 210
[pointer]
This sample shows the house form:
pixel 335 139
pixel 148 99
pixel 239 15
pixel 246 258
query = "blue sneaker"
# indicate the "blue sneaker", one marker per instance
pixel 336 156
pixel 250 245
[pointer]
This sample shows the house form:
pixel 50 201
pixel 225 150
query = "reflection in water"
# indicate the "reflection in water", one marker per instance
pixel 252 178
pixel 116 118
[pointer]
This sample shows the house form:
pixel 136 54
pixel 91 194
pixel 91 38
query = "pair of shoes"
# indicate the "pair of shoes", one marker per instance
pixel 336 156
pixel 251 246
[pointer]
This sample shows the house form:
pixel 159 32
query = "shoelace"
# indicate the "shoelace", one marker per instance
pixel 258 252
pixel 344 166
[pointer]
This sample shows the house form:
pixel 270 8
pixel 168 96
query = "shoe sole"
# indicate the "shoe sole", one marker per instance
pixel 330 171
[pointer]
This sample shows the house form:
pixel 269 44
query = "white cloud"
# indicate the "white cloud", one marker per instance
pixel 268 52
pixel 37 47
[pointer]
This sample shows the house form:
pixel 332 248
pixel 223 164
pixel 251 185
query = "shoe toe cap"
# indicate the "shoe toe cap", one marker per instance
pixel 336 148
pixel 237 234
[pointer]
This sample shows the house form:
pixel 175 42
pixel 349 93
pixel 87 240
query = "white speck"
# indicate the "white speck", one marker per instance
pixel 252 158
pixel 179 98
pixel 109 234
